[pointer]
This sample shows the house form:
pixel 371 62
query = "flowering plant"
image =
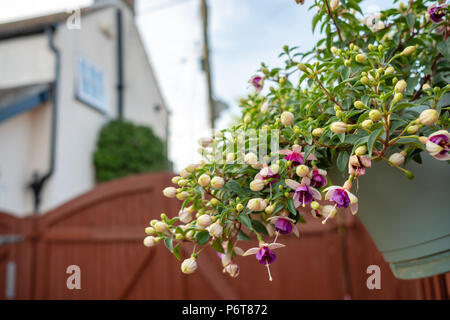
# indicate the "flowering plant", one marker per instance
pixel 373 89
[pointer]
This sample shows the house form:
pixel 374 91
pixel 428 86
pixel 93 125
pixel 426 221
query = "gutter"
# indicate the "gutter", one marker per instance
pixel 120 77
pixel 39 181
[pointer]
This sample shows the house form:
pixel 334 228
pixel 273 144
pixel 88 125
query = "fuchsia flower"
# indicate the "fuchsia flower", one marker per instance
pixel 304 194
pixel 438 145
pixel 264 254
pixel 437 12
pixel 284 225
pixel 318 178
pixel 357 165
pixel 267 173
pixel 258 82
pixel 295 155
pixel 342 198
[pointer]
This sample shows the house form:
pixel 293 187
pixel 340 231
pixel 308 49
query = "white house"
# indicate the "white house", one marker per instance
pixel 62 77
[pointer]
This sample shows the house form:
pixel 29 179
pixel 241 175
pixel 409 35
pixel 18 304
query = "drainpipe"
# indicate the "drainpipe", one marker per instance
pixel 38 181
pixel 120 80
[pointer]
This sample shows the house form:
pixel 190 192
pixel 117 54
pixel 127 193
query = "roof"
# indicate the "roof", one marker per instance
pixel 39 24
pixel 16 100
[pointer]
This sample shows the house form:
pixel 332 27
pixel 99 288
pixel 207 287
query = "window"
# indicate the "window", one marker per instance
pixel 91 85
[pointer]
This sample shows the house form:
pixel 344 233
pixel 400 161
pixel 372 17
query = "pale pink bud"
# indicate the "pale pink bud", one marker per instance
pixel 189 266
pixel 204 180
pixel 170 192
pixel 204 220
pixel 287 118
pixel 149 241
pixel 161 226
pixel 217 182
pixel 251 159
pixel 185 216
pixel 397 159
pixel 338 127
pixel 429 117
pixel 257 185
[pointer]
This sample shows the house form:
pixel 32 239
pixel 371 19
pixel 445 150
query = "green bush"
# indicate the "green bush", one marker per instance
pixel 124 148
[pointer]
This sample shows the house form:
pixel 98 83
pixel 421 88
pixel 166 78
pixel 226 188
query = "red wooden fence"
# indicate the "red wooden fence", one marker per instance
pixel 102 233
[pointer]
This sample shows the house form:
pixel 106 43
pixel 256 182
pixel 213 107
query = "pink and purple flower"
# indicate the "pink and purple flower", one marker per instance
pixel 438 145
pixel 437 12
pixel 304 194
pixel 295 155
pixel 264 254
pixel 257 81
pixel 318 178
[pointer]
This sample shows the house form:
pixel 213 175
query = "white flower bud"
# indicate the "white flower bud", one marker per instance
pixel 204 220
pixel 338 127
pixel 189 266
pixel 205 141
pixel 375 115
pixel 217 182
pixel 400 86
pixel 315 205
pixel 176 179
pixel 183 195
pixel 409 50
pixel 256 204
pixel 317 132
pixel 429 117
pixel 232 269
pixel 367 124
pixel 230 157
pixel 334 4
pixel 389 70
pixel 269 209
pixel 149 241
pixel 170 192
pixel 184 173
pixel 150 231
pixel 302 170
pixel 251 159
pixel 361 150
pixel 161 226
pixel 185 216
pixel 257 185
pixel 287 118
pixel 275 168
pixel 204 180
pixel 264 106
pixel 397 159
pixel 215 230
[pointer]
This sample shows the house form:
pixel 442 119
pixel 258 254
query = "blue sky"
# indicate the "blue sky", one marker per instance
pixel 242 34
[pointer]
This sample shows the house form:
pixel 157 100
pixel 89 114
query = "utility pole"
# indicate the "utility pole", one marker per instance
pixel 206 63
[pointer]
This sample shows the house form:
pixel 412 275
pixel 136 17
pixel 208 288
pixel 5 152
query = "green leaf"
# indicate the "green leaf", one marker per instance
pixel 245 220
pixel 169 244
pixel 291 206
pixel 259 227
pixel 371 141
pixel 202 237
pixel 444 48
pixel 410 19
pixel 242 236
pixel 217 245
pixel 342 160
pixel 308 150
pixel 176 251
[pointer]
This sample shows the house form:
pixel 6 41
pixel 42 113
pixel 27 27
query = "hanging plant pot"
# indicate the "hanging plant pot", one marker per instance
pixel 409 221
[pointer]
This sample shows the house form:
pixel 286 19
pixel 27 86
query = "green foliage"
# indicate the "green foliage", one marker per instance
pixel 124 148
pixel 372 89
